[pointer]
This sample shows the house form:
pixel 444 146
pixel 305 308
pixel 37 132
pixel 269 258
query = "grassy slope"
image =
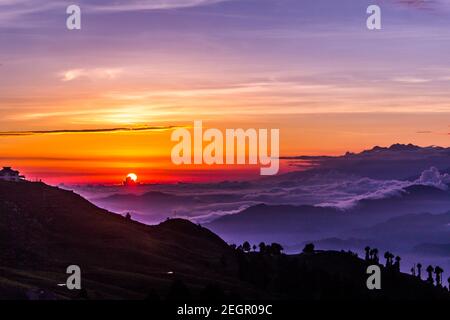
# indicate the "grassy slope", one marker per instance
pixel 44 229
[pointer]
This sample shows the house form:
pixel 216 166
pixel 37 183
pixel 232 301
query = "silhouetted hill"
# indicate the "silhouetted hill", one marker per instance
pixel 326 275
pixel 44 229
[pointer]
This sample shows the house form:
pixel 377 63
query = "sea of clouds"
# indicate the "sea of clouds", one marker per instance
pixel 204 202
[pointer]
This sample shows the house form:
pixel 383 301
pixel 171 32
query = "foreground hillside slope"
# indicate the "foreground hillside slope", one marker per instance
pixel 44 229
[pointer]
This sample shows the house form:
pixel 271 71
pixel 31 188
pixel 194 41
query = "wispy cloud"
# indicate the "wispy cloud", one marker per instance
pixel 430 5
pixel 231 89
pixel 133 5
pixel 97 73
pixel 13 10
pixel 412 80
pixel 421 80
pixel 95 130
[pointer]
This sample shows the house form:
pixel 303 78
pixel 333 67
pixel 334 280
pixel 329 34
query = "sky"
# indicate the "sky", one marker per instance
pixel 310 68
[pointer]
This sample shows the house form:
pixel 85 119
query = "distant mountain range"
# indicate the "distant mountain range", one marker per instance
pixel 399 161
pixel 325 180
pixel 300 223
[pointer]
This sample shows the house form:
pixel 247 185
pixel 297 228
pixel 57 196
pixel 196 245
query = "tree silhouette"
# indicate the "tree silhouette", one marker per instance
pixel 375 255
pixel 246 246
pixel 367 249
pixel 128 216
pixel 276 248
pixel 419 270
pixel 430 270
pixel 388 257
pixel 438 271
pixel 309 248
pixel 254 247
pixel 371 254
pixel 262 247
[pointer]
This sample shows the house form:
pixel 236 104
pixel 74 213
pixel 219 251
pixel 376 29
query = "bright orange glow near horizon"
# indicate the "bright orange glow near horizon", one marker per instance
pixel 108 157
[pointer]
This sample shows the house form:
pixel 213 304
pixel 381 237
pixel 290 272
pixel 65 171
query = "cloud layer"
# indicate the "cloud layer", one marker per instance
pixel 13 9
pixel 134 5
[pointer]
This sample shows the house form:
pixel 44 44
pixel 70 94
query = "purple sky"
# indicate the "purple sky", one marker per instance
pixel 295 56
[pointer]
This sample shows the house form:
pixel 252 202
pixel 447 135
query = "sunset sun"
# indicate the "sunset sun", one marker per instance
pixel 132 176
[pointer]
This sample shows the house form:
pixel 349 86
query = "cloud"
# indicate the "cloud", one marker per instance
pixel 411 80
pixel 417 3
pixel 379 190
pixel 70 131
pixel 425 5
pixel 97 73
pixel 27 14
pixel 385 189
pixel 432 177
pixel 208 216
pixel 127 5
pixel 14 10
pixel 212 200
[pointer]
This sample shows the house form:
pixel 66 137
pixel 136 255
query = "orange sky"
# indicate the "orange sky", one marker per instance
pixel 108 157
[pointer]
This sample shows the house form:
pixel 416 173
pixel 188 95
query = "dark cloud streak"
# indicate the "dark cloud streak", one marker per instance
pixel 96 130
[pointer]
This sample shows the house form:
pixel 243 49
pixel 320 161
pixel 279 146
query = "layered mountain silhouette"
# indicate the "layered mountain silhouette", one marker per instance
pixel 44 229
pixel 322 181
pixel 399 161
pixel 395 213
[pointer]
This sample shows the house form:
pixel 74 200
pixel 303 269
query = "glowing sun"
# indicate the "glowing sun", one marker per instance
pixel 132 176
